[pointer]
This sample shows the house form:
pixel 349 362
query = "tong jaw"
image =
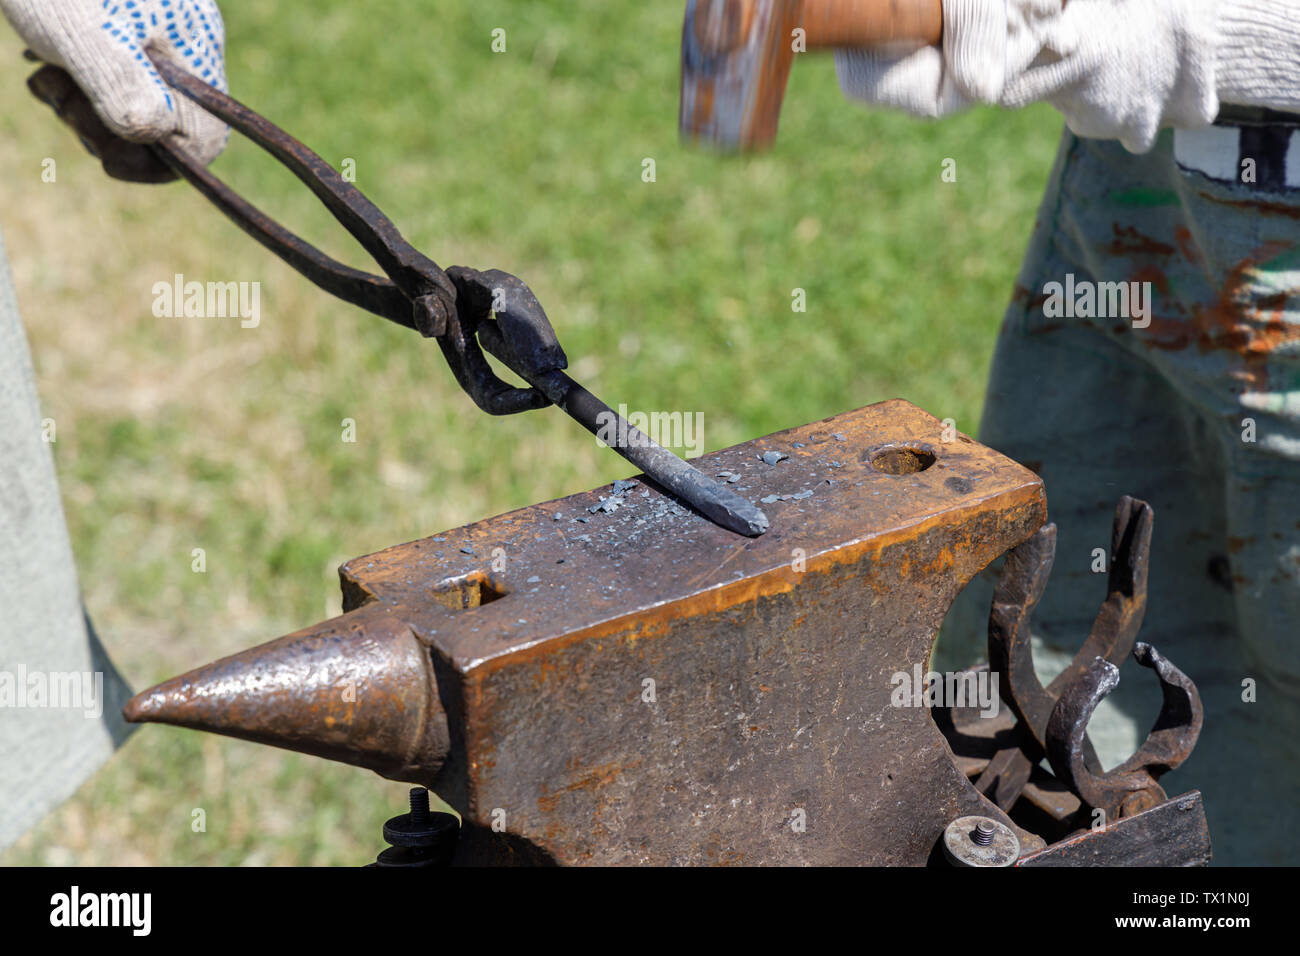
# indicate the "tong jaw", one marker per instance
pixel 531 347
pixel 527 332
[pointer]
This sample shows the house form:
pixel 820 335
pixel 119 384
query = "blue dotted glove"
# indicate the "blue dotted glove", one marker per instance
pixel 101 45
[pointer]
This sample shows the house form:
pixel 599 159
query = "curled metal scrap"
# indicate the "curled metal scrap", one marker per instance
pixel 1132 786
pixel 1021 585
pixel 1052 721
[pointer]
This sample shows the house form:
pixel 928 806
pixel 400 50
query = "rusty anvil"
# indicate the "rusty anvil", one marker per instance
pixel 737 55
pixel 610 678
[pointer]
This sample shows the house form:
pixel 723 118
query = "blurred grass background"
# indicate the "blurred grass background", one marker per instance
pixel 175 434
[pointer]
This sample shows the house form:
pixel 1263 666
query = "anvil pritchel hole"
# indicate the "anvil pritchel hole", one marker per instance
pixel 469 591
pixel 902 459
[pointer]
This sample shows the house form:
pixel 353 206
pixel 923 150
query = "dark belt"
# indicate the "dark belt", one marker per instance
pixel 1264 138
pixel 1232 115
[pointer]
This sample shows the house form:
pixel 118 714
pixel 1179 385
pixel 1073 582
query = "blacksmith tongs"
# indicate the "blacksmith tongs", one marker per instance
pixel 458 307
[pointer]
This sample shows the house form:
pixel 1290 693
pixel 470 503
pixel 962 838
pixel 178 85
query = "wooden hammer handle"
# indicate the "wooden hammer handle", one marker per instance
pixel 871 23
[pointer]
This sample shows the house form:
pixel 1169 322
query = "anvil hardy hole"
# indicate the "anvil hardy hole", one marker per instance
pixel 472 590
pixel 901 459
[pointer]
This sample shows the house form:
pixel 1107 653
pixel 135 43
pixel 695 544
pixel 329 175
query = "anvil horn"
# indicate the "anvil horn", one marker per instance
pixel 358 689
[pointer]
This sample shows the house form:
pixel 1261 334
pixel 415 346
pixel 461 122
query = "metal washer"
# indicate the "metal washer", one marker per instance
pixel 961 849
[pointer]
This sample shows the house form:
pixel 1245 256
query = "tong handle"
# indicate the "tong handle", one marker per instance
pixel 431 301
pixel 373 293
pixel 417 278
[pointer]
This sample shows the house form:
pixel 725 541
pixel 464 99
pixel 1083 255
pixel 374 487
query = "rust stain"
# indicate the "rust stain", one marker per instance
pixel 595 778
pixel 1187 245
pixel 1252 328
pixel 1159 281
pixel 1129 242
pixel 1267 208
pixel 1031 298
pixel 944 561
pixel 548 670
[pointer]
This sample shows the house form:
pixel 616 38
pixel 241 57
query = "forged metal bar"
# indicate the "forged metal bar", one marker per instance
pixel 637 685
pixel 711 498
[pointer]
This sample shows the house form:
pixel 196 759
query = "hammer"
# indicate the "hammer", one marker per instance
pixel 736 56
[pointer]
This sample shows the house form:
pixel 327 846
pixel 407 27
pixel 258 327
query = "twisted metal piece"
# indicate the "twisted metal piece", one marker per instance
pixel 1019 589
pixel 1131 787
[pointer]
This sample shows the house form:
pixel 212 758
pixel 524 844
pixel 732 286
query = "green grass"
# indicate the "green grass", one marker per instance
pixel 676 294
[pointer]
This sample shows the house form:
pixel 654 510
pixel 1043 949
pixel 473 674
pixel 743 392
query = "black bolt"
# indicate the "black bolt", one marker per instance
pixel 419 805
pixel 983 832
pixel 421 837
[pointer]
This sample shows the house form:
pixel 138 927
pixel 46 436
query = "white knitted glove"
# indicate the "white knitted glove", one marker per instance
pixel 101 43
pixel 1125 69
pixel 1117 69
pixel 984 43
pixel 1258 63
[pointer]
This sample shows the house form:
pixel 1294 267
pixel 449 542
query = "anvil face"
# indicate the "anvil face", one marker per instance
pixel 633 684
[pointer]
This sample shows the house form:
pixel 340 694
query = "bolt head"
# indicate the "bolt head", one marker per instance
pixel 430 315
pixel 980 841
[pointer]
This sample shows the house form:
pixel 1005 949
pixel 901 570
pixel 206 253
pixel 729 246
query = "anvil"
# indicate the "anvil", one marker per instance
pixel 610 678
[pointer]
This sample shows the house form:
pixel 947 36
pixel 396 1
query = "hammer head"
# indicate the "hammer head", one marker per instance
pixel 736 58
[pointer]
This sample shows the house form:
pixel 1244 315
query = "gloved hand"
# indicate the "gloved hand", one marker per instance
pixel 984 42
pixel 100 82
pixel 1117 69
